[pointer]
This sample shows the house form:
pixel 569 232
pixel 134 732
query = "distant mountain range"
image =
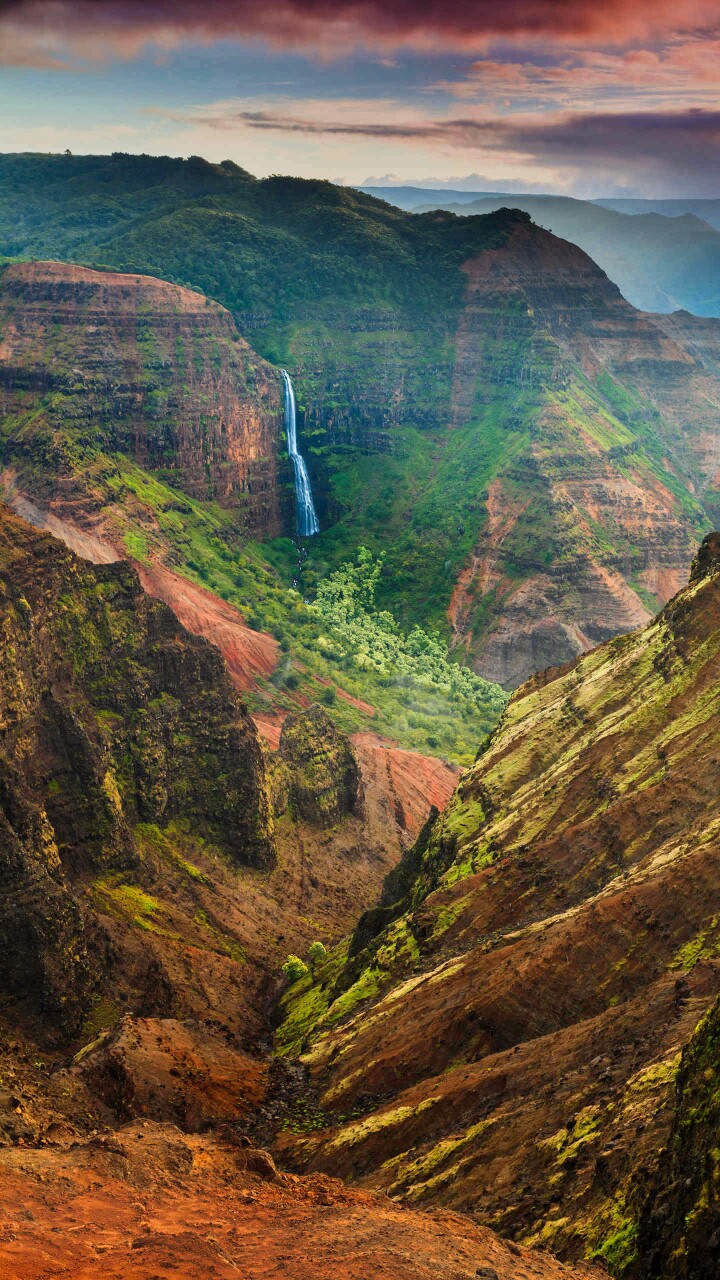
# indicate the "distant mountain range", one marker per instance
pixel 664 255
pixel 708 210
pixel 411 198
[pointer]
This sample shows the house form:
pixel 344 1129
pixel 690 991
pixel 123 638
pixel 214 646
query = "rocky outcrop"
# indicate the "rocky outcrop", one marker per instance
pixel 138 856
pixel 509 1026
pixel 183 1072
pixel 99 361
pixel 679 1229
pixel 43 953
pixel 117 713
pixel 414 784
pixel 694 403
pixel 322 772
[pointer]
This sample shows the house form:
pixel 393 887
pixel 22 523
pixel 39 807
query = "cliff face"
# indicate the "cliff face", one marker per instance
pixel 111 715
pixel 509 1025
pixel 321 768
pixel 94 361
pixel 590 522
pixel 679 1231
pixel 695 402
pixel 138 849
pixel 536 455
pixel 563 411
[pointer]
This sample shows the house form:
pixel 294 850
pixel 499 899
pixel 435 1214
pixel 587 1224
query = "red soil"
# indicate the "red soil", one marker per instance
pixel 414 782
pixel 411 783
pixel 148 1203
pixel 247 653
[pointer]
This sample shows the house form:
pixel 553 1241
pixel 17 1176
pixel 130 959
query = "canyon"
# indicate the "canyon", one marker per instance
pixel 358 908
pixel 536 458
pixel 157 864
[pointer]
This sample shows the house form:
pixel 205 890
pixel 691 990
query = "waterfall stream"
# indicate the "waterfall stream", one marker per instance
pixel 307 521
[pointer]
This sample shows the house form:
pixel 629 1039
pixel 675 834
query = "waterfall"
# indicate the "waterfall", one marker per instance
pixel 307 521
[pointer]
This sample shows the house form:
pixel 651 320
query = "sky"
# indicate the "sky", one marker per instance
pixel 568 96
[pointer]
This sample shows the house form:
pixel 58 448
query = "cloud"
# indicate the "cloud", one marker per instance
pixel 685 72
pixel 674 147
pixel 95 29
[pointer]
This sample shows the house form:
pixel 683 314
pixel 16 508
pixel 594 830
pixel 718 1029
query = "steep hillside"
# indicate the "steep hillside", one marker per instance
pixel 695 402
pixel 659 262
pixel 113 717
pixel 531 456
pixel 589 510
pixel 93 363
pixel 146 833
pixel 678 1235
pixel 505 1034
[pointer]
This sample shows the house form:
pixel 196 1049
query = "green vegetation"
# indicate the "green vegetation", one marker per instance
pixel 102 1015
pixel 416 694
pixel 317 954
pixel 364 304
pixel 317 1000
pixel 305 267
pixel 221 941
pixel 619 1250
pixel 270 246
pixel 305 1002
pixel 416 684
pixel 679 1220
pixel 128 901
pixel 295 969
pixel 161 843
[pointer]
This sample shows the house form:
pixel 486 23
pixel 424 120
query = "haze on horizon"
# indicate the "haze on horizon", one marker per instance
pixel 578 98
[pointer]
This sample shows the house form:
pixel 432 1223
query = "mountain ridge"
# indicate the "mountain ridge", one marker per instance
pixel 660 263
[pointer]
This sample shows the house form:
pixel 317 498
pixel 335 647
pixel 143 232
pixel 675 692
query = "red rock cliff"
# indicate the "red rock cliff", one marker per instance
pixel 149 369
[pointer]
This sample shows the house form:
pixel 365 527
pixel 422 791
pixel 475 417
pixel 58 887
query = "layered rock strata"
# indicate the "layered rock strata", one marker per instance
pixel 132 365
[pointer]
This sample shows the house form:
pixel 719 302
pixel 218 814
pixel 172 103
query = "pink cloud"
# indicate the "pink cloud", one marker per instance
pixel 685 72
pixel 107 28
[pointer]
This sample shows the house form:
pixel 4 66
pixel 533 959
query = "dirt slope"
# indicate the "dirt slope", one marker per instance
pixel 148 1203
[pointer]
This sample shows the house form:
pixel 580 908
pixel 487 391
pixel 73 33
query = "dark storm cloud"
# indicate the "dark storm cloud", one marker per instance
pixel 125 26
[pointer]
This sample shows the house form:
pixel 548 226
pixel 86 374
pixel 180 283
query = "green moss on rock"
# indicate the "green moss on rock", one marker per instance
pixel 323 775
